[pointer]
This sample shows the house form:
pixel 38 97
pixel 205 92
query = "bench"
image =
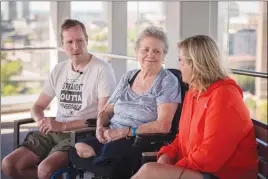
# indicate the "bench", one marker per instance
pixel 261 132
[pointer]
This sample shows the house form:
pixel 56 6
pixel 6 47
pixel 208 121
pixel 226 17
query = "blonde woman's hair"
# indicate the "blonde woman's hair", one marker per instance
pixel 202 53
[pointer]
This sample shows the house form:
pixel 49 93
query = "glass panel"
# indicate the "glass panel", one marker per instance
pixel 24 72
pixel 94 16
pixel 255 95
pixel 141 15
pixel 245 31
pixel 25 24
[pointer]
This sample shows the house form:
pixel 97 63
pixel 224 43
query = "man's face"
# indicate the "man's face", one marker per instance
pixel 74 42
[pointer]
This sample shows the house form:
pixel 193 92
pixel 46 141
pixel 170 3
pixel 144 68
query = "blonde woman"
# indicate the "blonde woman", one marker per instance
pixel 216 136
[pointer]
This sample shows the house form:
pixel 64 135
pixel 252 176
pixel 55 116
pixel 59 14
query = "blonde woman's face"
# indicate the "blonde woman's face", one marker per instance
pixel 185 68
pixel 150 53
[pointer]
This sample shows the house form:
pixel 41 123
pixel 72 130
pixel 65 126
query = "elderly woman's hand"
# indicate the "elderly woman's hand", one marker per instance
pixel 115 134
pixel 100 134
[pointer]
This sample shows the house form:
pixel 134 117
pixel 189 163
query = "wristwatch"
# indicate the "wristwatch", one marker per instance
pixel 92 122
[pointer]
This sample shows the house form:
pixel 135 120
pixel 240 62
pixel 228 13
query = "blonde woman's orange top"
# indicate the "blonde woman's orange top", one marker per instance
pixel 216 134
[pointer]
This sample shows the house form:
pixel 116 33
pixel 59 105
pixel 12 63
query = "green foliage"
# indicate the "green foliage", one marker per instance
pixel 251 103
pixel 132 35
pixel 247 83
pixel 99 48
pixel 99 37
pixel 9 89
pixel 130 52
pixel 9 68
pixel 262 111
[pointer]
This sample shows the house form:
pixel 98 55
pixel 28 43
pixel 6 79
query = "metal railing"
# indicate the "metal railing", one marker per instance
pixel 109 57
pixel 28 49
pixel 249 73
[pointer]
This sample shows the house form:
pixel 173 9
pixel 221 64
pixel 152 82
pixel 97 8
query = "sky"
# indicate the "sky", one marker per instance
pixel 245 6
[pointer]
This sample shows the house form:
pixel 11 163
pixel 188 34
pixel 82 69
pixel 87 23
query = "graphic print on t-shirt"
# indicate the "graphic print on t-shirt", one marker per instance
pixel 71 96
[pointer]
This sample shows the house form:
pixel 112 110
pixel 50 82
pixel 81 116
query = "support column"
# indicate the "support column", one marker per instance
pixel 173 33
pixel 60 10
pixel 117 35
pixel 261 56
pixel 198 18
pixel 185 19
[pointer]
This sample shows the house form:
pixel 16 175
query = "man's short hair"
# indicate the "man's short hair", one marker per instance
pixel 68 23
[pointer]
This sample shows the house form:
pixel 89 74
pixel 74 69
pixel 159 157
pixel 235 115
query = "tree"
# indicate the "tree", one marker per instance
pixel 247 83
pixel 99 48
pixel 9 68
pixel 262 111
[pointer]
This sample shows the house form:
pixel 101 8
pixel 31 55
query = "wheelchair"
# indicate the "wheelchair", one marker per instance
pixel 153 143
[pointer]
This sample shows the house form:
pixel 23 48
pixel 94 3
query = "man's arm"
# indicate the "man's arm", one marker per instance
pixel 106 113
pixel 48 125
pixel 77 124
pixel 39 106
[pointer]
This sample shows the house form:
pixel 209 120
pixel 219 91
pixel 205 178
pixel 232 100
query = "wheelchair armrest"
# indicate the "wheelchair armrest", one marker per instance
pixel 156 137
pixel 148 157
pixel 16 134
pixel 92 122
pixel 75 134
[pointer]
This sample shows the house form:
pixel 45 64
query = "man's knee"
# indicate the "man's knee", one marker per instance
pixel 8 166
pixel 44 170
pixel 84 150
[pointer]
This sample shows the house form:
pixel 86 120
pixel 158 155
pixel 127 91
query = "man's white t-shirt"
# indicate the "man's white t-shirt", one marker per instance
pixel 78 93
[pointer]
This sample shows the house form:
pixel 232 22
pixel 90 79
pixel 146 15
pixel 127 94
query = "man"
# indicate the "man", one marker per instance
pixel 82 86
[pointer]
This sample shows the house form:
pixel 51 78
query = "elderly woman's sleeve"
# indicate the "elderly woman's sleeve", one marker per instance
pixel 119 88
pixel 169 91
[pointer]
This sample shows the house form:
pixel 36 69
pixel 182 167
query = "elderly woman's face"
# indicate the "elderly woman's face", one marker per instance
pixel 185 68
pixel 150 53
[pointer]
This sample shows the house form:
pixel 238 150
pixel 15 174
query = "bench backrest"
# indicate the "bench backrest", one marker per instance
pixel 261 131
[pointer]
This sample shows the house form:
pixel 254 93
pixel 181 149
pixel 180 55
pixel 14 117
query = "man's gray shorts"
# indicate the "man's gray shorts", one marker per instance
pixel 46 144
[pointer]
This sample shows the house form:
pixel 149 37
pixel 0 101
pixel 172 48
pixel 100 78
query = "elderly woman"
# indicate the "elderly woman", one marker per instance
pixel 142 104
pixel 216 135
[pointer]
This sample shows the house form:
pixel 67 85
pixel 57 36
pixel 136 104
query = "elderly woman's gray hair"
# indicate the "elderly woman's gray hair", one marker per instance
pixel 155 32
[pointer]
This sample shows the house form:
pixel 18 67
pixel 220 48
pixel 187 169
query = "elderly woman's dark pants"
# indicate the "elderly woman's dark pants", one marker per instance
pixel 115 159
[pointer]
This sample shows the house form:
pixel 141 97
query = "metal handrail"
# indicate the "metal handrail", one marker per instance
pixel 28 49
pixel 250 73
pixel 110 56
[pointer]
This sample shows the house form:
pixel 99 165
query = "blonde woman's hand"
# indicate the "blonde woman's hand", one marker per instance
pixel 165 159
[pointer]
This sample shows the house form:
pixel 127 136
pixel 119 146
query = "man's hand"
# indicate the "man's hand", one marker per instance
pixel 99 134
pixel 165 159
pixel 115 134
pixel 47 125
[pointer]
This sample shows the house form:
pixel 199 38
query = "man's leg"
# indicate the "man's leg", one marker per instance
pixel 164 171
pixel 20 164
pixel 52 163
pixel 23 161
